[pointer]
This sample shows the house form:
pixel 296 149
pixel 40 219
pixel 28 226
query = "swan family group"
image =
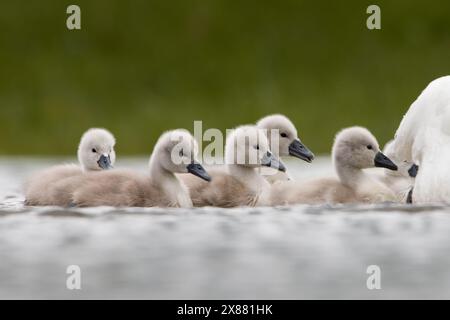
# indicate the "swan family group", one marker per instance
pixel 416 167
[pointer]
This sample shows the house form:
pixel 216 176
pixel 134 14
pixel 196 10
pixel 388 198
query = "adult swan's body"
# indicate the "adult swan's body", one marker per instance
pixel 423 137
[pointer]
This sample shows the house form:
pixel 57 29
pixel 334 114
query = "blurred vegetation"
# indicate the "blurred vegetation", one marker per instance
pixel 143 66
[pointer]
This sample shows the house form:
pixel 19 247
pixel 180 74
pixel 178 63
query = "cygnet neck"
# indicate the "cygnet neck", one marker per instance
pixel 81 164
pixel 159 173
pixel 170 184
pixel 348 175
pixel 247 175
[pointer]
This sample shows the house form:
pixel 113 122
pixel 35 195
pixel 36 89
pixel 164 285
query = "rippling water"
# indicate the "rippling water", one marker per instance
pixel 209 253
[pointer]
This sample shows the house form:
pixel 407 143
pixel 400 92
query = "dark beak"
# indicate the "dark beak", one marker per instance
pixel 197 170
pixel 413 170
pixel 384 162
pixel 299 150
pixel 269 160
pixel 104 162
pixel 409 198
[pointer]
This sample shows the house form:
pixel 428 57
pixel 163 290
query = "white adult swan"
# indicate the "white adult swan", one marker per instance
pixel 239 184
pixel 95 153
pixel 423 137
pixel 354 149
pixel 283 141
pixel 175 152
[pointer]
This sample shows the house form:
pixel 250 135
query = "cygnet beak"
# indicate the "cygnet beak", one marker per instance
pixel 105 162
pixel 413 170
pixel 197 170
pixel 384 162
pixel 269 160
pixel 299 150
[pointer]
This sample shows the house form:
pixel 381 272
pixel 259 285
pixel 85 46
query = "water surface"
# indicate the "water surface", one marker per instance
pixel 210 253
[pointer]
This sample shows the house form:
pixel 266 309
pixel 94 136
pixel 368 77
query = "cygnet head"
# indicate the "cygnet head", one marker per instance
pixel 176 152
pixel 248 146
pixel 283 138
pixel 405 168
pixel 96 150
pixel 356 147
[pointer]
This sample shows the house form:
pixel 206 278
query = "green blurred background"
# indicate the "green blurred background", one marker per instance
pixel 141 67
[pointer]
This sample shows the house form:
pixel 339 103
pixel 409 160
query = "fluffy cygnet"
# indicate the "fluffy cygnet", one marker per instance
pixel 240 184
pixel 175 152
pixel 354 149
pixel 95 153
pixel 283 141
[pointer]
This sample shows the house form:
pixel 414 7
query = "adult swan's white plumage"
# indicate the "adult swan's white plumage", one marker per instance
pixel 423 137
pixel 95 153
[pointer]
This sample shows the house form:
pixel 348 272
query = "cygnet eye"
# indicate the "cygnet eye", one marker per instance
pixel 181 153
pixel 369 147
pixel 284 135
pixel 94 150
pixel 256 147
